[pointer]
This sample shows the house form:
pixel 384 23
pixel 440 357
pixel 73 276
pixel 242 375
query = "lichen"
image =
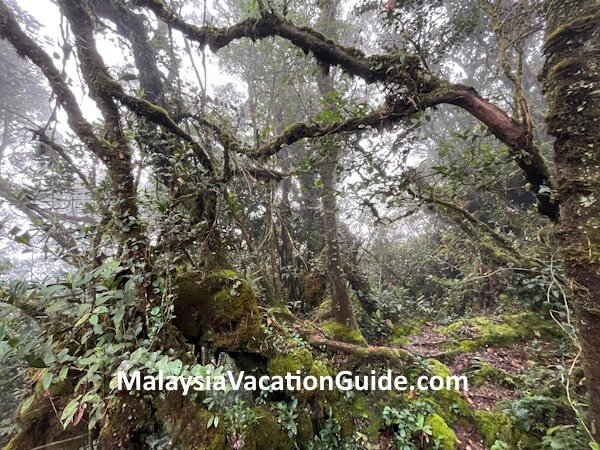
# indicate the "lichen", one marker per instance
pixel 340 332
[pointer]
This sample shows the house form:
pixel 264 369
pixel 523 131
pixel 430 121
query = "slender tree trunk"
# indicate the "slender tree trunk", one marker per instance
pixel 572 88
pixel 341 306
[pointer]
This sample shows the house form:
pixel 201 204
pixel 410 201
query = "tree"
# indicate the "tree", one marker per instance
pixel 571 80
pixel 159 136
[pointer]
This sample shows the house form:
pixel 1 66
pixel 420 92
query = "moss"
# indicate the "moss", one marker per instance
pixel 450 404
pixel 266 433
pixel 400 333
pixel 306 430
pixel 296 359
pixel 488 372
pixel 324 310
pixel 128 417
pixel 479 332
pixel 494 425
pixel 503 298
pixel 441 431
pixel 369 412
pixel 39 424
pixel 340 332
pixel 221 309
pixel 319 369
pixel 315 289
pixel 186 421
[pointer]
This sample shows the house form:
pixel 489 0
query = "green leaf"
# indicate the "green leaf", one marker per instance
pixel 94 319
pixel 47 380
pixel 62 375
pixel 67 415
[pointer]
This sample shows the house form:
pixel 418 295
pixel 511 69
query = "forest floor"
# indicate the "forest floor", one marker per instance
pixel 501 371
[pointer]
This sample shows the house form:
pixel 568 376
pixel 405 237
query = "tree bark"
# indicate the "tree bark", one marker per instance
pixel 572 85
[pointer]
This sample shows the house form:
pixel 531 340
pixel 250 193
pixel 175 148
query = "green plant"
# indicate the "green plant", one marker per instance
pixel 329 437
pixel 409 425
pixel 287 417
pixel 238 418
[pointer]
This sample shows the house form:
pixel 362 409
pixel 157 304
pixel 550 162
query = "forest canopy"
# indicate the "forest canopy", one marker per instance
pixel 194 187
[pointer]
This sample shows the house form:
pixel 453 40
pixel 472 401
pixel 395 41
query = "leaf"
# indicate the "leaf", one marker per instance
pixel 79 414
pixel 94 319
pixel 62 375
pixel 67 415
pixel 49 290
pixel 47 380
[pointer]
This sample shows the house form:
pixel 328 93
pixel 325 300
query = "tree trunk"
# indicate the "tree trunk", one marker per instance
pixel 341 307
pixel 572 86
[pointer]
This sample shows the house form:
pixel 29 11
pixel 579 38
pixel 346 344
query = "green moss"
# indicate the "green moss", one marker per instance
pixel 220 308
pixel 400 333
pixel 450 404
pixel 494 425
pixel 504 299
pixel 266 433
pixel 319 369
pixel 441 431
pixel 186 423
pixel 296 359
pixel 306 430
pixel 39 424
pixel 487 372
pixel 408 328
pixel 340 332
pixel 324 310
pixel 479 332
pixel 367 411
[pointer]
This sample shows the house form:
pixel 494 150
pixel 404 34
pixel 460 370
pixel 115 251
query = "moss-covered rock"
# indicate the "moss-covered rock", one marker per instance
pixel 324 310
pixel 494 425
pixel 186 422
pixel 219 309
pixel 266 433
pixel 479 332
pixel 340 332
pixel 450 404
pixel 441 431
pixel 295 359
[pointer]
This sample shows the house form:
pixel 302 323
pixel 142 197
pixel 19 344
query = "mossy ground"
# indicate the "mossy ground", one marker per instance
pixel 469 335
pixel 340 332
